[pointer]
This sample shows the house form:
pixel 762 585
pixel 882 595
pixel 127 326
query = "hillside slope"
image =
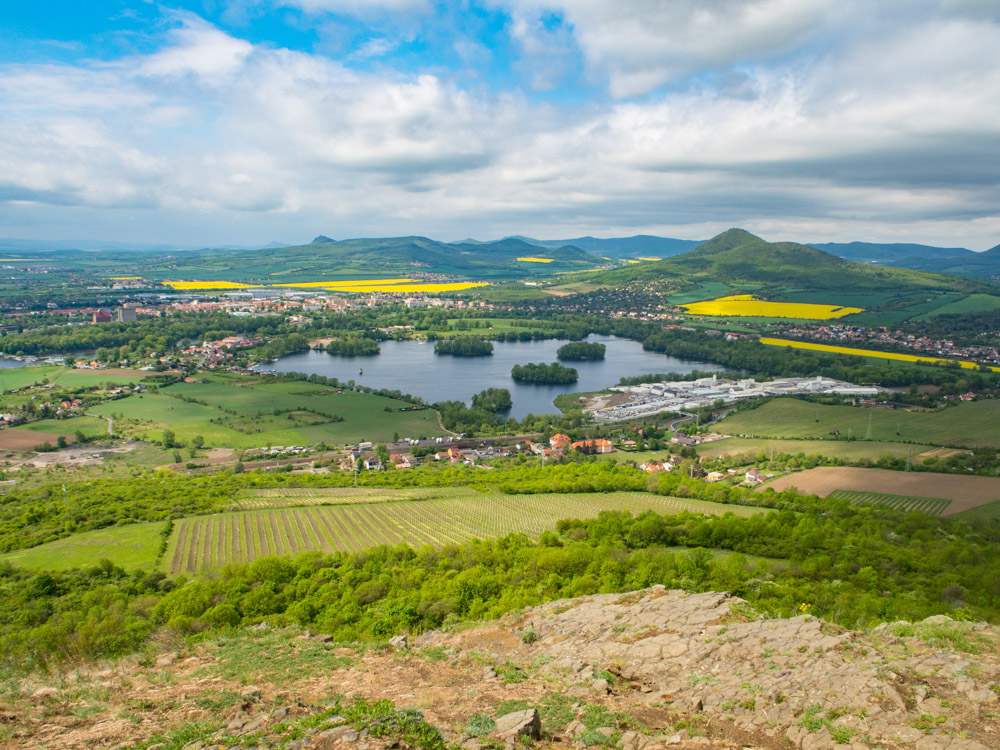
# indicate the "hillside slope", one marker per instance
pixel 737 257
pixel 640 671
pixel 374 258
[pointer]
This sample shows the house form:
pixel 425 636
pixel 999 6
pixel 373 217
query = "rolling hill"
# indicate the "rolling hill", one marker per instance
pixel 953 260
pixel 367 258
pixel 740 259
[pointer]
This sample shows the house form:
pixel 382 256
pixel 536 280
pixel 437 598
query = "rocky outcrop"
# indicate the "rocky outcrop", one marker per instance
pixel 650 670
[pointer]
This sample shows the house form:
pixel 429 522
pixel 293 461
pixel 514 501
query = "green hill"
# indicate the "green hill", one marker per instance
pixel 368 258
pixel 741 259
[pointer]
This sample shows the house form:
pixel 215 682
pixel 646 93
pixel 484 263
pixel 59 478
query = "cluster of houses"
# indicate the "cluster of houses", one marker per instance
pixel 883 337
pixel 216 353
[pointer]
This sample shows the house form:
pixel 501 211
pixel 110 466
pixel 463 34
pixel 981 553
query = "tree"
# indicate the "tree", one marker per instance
pixel 168 439
pixel 197 441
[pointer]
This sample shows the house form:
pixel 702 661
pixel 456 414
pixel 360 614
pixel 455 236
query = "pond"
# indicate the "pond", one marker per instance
pixel 412 367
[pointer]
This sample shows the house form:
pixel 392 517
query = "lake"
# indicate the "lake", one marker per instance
pixel 412 367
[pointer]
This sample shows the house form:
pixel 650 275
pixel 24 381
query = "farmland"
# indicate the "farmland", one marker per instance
pixel 746 305
pixel 964 492
pixel 970 425
pixel 250 412
pixel 871 353
pixel 132 546
pixel 284 497
pixel 204 542
pixel 932 505
pixel 854 450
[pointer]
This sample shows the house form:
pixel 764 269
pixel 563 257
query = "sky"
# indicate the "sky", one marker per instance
pixel 241 122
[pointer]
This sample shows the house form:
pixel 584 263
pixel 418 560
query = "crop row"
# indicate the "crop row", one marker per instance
pixel 280 497
pixel 204 542
pixel 933 505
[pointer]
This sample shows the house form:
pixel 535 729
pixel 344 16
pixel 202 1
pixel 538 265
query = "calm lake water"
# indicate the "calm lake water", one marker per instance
pixel 412 367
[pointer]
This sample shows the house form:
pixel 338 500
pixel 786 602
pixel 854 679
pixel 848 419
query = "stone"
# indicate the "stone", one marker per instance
pixel 910 734
pixel 525 723
pixel 937 620
pixel 399 642
pixel 45 692
pixel 601 686
pixel 165 660
pixel 575 728
pixel 250 694
pixel 634 740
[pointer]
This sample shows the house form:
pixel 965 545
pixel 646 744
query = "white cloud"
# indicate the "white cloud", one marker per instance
pixel 639 45
pixel 881 135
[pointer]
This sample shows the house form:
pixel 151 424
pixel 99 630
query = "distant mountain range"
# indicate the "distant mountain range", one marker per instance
pixel 490 259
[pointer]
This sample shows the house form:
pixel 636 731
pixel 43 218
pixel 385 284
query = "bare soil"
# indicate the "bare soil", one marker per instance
pixel 964 492
pixel 25 440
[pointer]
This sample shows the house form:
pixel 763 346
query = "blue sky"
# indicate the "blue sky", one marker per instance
pixel 244 121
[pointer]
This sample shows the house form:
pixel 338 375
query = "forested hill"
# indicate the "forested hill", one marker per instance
pixel 737 257
pixel 373 258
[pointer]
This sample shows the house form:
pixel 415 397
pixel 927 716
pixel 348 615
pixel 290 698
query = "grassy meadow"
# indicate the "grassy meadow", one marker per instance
pixel 132 546
pixel 851 451
pixel 968 425
pixel 246 413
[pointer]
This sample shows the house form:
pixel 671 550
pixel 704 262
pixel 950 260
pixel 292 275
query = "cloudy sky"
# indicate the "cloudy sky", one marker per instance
pixel 196 122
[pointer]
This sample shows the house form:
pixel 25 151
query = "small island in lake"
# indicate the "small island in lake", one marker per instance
pixel 581 352
pixel 464 346
pixel 553 374
pixel 354 346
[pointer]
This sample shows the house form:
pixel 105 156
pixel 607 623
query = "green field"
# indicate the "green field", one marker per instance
pixel 984 513
pixel 89 426
pixel 708 290
pixel 972 303
pixel 851 451
pixel 247 413
pixel 14 378
pixel 285 497
pixel 130 547
pixel 969 425
pixel 210 541
pixel 933 505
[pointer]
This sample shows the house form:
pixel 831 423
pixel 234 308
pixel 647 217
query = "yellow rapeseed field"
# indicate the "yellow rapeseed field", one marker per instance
pixel 428 288
pixel 649 257
pixel 745 305
pixel 349 282
pixel 918 358
pixel 188 286
pixel 529 259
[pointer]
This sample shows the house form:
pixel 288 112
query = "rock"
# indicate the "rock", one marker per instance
pixel 489 673
pixel 399 642
pixel 250 694
pixel 937 620
pixel 575 728
pixel 471 744
pixel 634 740
pixel 45 692
pixel 606 731
pixel 909 734
pixel 520 724
pixel 982 696
pixel 601 686
pixel 165 660
pixel 578 691
pixel 695 704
